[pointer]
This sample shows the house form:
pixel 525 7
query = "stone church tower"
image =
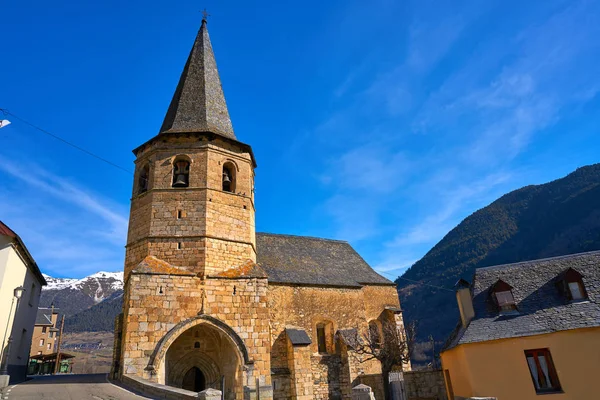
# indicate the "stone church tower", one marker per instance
pixel 208 303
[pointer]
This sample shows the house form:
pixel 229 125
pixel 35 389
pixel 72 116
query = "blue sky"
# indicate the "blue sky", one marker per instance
pixel 383 124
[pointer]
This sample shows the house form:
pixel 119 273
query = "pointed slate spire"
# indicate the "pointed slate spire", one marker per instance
pixel 198 104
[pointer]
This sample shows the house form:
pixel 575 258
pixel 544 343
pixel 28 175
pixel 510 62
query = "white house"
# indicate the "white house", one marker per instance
pixel 20 286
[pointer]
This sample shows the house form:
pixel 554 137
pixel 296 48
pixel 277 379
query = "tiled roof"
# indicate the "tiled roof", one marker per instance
pixel 313 261
pixel 198 104
pixel 542 307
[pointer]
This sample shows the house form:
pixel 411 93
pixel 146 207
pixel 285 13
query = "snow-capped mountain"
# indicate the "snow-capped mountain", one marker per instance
pixel 72 296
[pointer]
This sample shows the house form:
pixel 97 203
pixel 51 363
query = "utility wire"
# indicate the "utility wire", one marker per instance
pixel 6 112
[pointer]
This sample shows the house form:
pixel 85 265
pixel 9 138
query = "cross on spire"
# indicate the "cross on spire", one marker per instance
pixel 205 15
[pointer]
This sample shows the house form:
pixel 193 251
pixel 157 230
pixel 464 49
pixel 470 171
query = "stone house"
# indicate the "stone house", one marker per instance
pixel 210 303
pixel 527 329
pixel 20 287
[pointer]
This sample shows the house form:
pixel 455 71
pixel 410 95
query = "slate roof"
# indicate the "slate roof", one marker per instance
pixel 44 316
pixel 298 336
pixel 306 260
pixel 542 307
pixel 198 104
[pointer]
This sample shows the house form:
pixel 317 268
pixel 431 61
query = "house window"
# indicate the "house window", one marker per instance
pixel 506 301
pixel 51 335
pixel 39 353
pixel 576 290
pixel 49 346
pixel 41 342
pixel 43 329
pixel 542 371
pixel 32 295
pixel 570 283
pixel 181 173
pixel 503 296
pixel 321 340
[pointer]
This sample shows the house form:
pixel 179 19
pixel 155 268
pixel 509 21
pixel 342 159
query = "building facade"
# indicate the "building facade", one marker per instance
pixel 45 332
pixel 210 303
pixel 18 270
pixel 527 329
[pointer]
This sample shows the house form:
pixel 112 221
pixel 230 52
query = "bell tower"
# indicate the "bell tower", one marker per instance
pixel 192 204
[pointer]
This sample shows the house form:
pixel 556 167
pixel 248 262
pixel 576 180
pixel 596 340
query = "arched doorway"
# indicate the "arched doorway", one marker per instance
pixel 194 380
pixel 201 357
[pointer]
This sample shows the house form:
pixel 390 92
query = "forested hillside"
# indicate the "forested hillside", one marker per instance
pixel 559 217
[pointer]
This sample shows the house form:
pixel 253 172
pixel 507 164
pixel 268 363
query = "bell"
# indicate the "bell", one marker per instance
pixel 226 178
pixel 180 181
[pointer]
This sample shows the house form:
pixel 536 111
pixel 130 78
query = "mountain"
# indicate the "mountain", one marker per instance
pixel 100 317
pixel 76 296
pixel 556 218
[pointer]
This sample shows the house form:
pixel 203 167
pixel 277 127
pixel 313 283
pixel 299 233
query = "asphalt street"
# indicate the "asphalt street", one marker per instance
pixel 68 387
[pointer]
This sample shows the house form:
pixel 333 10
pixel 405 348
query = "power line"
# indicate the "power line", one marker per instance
pixel 89 153
pixel 418 282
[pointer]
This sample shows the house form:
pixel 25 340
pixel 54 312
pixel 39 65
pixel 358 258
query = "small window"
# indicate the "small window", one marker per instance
pixel 181 173
pixel 51 335
pixel 374 333
pixel 229 177
pixel 570 282
pixel 506 301
pixel 144 179
pixel 321 340
pixel 43 329
pixel 41 342
pixel 39 353
pixel 32 295
pixel 197 345
pixel 542 371
pixel 576 291
pixel 49 346
pixel 503 296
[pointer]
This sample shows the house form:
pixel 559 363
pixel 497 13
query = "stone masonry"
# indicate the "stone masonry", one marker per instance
pixel 211 304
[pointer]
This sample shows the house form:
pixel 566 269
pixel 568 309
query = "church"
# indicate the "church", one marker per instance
pixel 209 302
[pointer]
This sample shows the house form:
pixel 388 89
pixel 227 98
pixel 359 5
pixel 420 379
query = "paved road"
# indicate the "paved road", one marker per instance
pixel 68 387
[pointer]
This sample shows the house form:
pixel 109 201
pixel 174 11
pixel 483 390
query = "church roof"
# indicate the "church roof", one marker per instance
pixel 198 104
pixel 306 260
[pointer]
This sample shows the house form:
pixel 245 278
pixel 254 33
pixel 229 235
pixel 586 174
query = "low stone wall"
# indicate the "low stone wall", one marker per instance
pixel 425 385
pixel 156 390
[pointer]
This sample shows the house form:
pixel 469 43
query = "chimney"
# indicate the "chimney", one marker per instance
pixel 465 302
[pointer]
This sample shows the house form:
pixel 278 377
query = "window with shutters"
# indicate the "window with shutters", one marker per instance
pixel 543 372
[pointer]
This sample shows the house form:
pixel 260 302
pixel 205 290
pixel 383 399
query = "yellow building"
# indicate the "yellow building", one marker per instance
pixel 528 329
pixel 20 286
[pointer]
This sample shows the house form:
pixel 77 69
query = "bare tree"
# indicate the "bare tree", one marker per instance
pixel 386 343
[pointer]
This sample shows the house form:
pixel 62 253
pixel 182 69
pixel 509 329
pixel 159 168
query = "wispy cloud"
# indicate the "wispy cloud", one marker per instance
pixel 440 151
pixel 69 230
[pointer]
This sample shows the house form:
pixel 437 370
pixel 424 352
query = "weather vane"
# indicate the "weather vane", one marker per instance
pixel 205 15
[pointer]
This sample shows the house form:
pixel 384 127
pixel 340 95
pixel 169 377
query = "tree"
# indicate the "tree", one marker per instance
pixel 386 342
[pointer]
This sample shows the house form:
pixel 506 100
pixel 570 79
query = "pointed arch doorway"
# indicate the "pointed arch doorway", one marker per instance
pixel 194 380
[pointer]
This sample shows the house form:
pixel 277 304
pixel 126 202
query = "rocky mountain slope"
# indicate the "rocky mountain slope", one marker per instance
pixel 556 218
pixel 74 296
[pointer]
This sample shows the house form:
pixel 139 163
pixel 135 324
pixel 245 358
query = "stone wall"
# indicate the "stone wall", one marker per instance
pixel 200 227
pixel 425 385
pixel 332 375
pixel 150 315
